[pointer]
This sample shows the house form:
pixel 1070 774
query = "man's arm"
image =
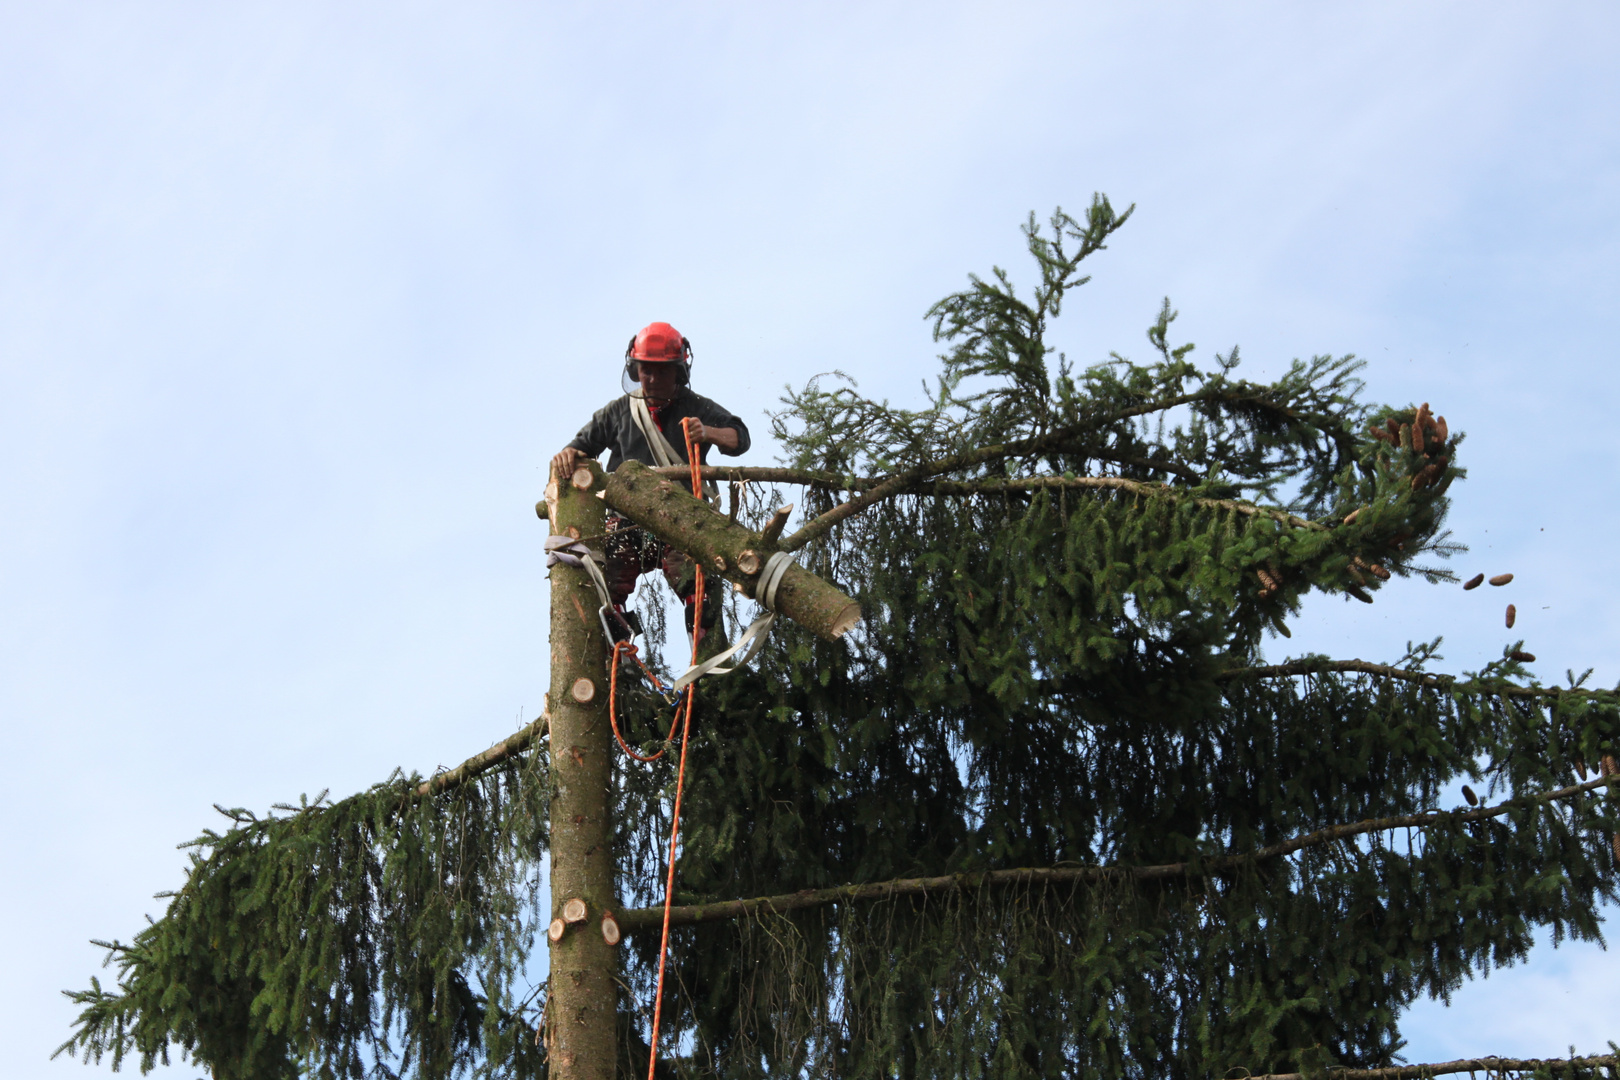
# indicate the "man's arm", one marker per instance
pixel 725 438
pixel 721 428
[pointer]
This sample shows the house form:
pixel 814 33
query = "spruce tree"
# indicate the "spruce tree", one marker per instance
pixel 1045 811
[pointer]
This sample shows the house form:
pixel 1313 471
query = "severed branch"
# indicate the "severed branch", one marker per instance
pixel 723 548
pixel 1423 678
pixel 693 914
pixel 1488 1065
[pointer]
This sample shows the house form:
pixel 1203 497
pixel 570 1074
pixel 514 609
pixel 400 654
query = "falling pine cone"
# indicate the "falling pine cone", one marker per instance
pixel 1501 579
pixel 1522 657
pixel 1512 614
pixel 1468 793
pixel 1474 582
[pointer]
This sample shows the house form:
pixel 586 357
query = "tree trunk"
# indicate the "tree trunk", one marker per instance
pixel 581 1011
pixel 667 509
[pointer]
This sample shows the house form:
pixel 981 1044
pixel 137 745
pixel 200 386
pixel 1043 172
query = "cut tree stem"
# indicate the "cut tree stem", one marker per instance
pixel 582 1009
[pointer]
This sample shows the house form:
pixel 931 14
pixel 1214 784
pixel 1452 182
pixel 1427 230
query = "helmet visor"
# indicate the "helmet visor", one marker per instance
pixel 628 375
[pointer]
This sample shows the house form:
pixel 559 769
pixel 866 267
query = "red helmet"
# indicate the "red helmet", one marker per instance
pixel 659 342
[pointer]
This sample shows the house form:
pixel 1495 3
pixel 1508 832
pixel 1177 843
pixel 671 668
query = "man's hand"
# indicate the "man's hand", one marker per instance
pixel 723 437
pixel 566 461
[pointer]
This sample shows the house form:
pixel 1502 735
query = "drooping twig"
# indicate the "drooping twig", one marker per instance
pixel 692 914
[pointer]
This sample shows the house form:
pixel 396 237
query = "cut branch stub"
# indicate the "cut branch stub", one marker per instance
pixel 773 528
pixel 574 911
pixel 669 512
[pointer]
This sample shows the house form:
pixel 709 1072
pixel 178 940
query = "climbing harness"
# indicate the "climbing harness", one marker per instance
pixel 754 636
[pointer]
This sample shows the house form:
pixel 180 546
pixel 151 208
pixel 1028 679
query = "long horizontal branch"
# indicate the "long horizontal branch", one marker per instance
pixel 897 483
pixel 1487 1065
pixel 833 482
pixel 693 914
pixel 1422 678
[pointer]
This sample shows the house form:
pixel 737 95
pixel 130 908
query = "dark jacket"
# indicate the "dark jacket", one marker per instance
pixel 612 428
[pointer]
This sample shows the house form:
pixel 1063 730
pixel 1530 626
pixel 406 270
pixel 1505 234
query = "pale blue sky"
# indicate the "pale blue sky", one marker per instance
pixel 296 300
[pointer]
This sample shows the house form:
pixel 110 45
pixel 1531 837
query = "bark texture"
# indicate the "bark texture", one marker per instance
pixel 582 1007
pixel 665 507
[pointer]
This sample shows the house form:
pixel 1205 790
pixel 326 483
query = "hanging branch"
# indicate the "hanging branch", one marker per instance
pixel 692 914
pixel 1487 1065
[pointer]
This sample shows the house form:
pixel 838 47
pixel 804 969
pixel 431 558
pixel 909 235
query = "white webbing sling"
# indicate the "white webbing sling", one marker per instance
pixel 662 451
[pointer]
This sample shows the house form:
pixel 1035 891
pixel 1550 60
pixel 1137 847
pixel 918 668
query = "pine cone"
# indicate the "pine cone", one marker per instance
pixel 1501 579
pixel 1474 582
pixel 1512 614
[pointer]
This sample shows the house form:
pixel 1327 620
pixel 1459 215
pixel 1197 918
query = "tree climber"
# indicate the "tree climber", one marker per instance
pixel 645 425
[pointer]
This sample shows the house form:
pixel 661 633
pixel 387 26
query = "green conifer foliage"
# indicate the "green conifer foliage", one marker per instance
pixel 1067 576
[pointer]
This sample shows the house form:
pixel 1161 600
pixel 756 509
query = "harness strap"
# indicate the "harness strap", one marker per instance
pixel 754 636
pixel 661 448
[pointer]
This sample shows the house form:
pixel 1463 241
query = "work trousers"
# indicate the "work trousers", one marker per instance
pixel 632 551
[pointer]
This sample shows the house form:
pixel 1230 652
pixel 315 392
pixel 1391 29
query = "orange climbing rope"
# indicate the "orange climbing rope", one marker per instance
pixel 682 720
pixel 625 648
